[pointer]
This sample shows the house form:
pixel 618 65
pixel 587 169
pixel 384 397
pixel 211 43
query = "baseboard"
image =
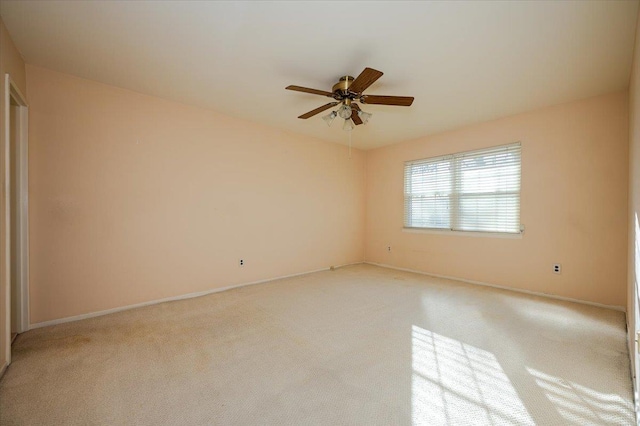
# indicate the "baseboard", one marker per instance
pixel 631 346
pixel 3 370
pixel 636 402
pixel 220 289
pixel 501 287
pixel 174 298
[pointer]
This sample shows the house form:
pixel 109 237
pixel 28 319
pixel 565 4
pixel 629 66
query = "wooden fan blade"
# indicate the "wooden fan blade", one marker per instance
pixel 318 110
pixel 364 80
pixel 387 100
pixel 354 115
pixel 312 91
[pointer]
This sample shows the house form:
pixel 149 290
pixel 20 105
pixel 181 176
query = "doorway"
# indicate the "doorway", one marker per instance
pixel 15 223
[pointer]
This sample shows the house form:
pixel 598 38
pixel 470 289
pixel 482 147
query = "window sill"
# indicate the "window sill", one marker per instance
pixel 506 235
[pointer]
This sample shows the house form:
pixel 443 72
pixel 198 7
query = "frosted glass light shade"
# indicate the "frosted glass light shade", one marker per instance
pixel 344 111
pixel 348 125
pixel 364 116
pixel 329 118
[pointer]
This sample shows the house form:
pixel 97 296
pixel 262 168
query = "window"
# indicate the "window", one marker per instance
pixel 469 191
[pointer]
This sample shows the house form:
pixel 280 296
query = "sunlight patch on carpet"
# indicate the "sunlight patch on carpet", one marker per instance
pixel 456 383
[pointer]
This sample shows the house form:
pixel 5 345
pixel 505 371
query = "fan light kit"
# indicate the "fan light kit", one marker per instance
pixel 346 92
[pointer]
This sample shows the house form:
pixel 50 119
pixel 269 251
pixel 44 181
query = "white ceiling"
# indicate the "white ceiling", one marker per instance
pixel 464 62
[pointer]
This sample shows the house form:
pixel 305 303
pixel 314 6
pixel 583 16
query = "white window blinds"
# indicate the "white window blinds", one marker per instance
pixel 469 191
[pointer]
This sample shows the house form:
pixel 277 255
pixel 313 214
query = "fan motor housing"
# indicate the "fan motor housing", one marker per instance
pixel 342 86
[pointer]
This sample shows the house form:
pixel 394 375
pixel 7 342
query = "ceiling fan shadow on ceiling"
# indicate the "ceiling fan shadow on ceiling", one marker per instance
pixel 346 92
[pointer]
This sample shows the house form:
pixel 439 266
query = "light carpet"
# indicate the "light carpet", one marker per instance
pixel 359 345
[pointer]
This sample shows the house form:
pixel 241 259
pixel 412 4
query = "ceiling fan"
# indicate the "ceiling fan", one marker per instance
pixel 346 92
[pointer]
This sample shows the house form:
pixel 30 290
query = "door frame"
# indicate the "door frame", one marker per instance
pixel 22 223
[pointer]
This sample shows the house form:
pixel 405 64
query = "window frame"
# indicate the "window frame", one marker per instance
pixel 454 196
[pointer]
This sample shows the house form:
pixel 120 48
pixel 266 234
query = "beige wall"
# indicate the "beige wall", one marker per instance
pixel 634 198
pixel 10 62
pixel 134 198
pixel 574 203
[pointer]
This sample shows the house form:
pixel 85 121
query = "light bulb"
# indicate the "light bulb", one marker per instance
pixel 348 125
pixel 330 117
pixel 364 116
pixel 344 111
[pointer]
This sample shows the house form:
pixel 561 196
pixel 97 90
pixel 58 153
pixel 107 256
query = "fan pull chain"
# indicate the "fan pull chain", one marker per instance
pixel 350 144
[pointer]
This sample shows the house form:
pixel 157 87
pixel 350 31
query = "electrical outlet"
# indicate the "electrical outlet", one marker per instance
pixel 241 263
pixel 557 268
